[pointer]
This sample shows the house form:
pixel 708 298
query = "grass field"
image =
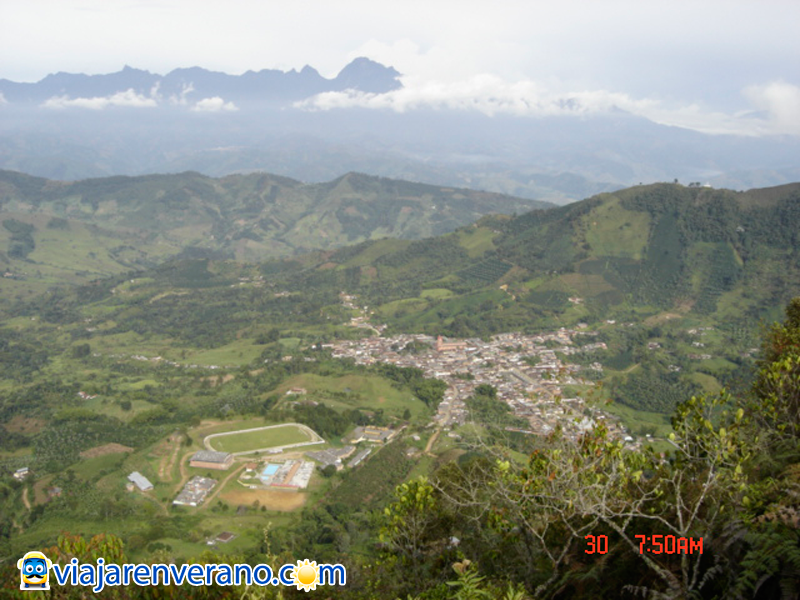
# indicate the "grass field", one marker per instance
pixel 709 383
pixel 371 253
pixel 436 293
pixel 476 240
pixel 368 392
pixel 282 501
pixel 640 420
pixel 614 231
pixel 89 468
pixel 246 441
pixel 102 404
pixel 236 353
pixel 210 427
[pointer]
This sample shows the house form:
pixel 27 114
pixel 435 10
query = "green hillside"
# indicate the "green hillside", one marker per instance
pixel 57 232
pixel 714 254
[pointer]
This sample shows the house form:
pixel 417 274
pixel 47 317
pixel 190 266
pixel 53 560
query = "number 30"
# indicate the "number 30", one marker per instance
pixel 597 544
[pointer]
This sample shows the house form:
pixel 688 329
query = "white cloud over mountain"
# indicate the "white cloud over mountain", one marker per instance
pixel 132 99
pixel 778 103
pixel 706 65
pixel 215 104
pixel 128 98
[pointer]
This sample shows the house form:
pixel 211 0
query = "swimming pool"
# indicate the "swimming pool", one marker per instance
pixel 269 470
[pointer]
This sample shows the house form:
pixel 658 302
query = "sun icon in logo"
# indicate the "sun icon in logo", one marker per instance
pixel 306 575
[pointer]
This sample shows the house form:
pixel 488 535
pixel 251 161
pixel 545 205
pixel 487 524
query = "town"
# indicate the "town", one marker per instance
pixel 525 370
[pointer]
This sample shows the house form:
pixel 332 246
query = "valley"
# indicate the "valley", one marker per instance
pixel 493 343
pixel 380 301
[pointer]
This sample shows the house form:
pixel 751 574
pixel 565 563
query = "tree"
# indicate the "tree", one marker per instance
pixel 765 538
pixel 777 386
pixel 269 337
pixel 730 483
pixel 592 486
pixel 415 531
pixel 81 351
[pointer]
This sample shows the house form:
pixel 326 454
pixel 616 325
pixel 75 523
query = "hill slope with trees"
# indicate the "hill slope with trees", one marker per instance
pixel 57 231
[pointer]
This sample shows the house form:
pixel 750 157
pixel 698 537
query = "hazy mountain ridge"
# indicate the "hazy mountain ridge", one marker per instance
pixel 134 122
pixel 191 84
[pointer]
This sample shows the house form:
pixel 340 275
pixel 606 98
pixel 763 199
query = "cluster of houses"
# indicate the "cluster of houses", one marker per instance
pixel 337 456
pixel 525 370
pixel 362 319
pixel 195 491
pixel 332 456
pixel 378 435
pixel 23 473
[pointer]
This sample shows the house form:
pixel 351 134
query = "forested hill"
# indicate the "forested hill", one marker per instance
pixel 719 254
pixel 108 225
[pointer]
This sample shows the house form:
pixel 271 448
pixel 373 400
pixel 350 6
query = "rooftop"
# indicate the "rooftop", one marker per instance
pixel 140 480
pixel 211 456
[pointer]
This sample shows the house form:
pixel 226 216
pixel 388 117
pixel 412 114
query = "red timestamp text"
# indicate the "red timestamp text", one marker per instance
pixel 651 544
pixel 669 544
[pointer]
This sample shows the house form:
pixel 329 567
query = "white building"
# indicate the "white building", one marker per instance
pixel 140 481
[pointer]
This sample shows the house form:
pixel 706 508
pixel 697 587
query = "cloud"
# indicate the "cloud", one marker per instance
pixel 181 99
pixel 492 95
pixel 3 99
pixel 487 94
pixel 781 103
pixel 215 104
pixel 483 93
pixel 128 98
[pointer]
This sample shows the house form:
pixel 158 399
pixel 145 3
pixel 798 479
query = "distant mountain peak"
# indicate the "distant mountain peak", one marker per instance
pixel 368 76
pixel 308 70
pixel 130 69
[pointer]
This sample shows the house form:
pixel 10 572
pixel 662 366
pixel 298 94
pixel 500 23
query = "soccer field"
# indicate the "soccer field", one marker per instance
pixel 262 438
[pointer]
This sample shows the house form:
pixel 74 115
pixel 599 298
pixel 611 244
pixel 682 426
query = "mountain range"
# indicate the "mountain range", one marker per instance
pixel 59 231
pixel 448 252
pixel 75 126
pixel 191 85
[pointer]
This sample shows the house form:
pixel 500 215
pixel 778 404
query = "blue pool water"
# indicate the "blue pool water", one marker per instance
pixel 268 472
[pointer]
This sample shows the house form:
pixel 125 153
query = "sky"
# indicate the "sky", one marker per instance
pixel 716 66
